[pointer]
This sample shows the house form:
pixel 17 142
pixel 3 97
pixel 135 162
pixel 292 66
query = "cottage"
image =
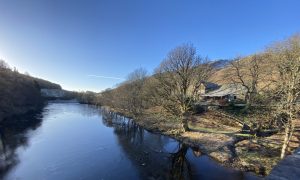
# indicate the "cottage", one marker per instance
pixel 226 93
pixel 204 88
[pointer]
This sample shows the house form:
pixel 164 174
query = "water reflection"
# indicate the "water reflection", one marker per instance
pixel 13 134
pixel 157 157
pixel 161 157
pixel 85 142
pixel 180 166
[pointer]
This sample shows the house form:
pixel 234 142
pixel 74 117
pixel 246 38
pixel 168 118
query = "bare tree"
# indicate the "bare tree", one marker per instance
pixel 286 56
pixel 129 95
pixel 135 84
pixel 252 74
pixel 3 65
pixel 137 75
pixel 180 76
pixel 106 98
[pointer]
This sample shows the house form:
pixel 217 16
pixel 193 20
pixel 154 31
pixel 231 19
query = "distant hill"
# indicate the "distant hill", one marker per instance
pixel 20 93
pixel 220 63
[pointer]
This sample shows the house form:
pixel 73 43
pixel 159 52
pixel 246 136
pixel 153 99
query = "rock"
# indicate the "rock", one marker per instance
pixel 197 152
pixel 223 155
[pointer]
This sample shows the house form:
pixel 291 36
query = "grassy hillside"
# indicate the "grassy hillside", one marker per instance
pixel 20 93
pixel 227 74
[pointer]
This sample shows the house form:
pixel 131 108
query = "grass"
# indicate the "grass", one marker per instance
pixel 208 130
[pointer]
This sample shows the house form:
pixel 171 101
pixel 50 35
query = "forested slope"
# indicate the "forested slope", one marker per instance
pixel 20 93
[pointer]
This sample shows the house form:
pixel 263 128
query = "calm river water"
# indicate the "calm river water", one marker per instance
pixel 71 141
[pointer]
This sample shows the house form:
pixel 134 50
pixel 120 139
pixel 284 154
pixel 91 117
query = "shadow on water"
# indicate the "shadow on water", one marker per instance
pixel 156 156
pixel 160 157
pixel 13 134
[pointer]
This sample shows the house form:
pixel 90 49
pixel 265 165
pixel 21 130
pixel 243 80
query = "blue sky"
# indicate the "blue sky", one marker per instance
pixel 77 43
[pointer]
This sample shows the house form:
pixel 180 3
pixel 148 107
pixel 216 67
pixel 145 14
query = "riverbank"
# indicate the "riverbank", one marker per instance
pixel 218 137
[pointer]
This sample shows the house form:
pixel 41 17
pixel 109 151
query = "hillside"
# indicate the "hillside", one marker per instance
pixel 20 93
pixel 220 63
pixel 227 74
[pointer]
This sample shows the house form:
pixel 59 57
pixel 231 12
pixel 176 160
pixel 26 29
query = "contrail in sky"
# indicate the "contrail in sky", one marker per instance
pixel 106 77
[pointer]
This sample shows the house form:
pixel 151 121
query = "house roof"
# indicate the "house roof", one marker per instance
pixel 228 89
pixel 210 85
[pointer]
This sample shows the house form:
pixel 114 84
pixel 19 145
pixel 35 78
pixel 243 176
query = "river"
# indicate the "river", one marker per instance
pixel 71 141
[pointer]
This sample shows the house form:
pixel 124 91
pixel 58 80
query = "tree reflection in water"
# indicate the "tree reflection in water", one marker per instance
pixel 149 152
pixel 13 134
pixel 180 165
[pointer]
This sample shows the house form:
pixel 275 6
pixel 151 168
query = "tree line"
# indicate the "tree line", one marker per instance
pixel 20 93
